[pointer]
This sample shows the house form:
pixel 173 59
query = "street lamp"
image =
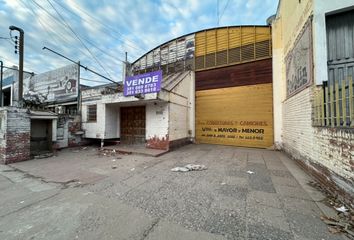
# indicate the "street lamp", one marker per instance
pixel 20 73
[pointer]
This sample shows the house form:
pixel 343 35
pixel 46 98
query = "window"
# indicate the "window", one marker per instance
pixel 92 113
pixel 334 100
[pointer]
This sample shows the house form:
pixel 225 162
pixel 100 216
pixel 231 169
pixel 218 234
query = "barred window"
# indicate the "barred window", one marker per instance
pixel 92 113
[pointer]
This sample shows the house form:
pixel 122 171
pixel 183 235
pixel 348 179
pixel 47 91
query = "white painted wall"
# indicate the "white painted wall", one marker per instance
pixel 111 121
pixel 182 109
pixel 94 129
pixel 321 9
pixel 157 120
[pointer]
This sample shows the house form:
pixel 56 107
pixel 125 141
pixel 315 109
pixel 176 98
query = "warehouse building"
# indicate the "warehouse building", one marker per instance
pixel 313 56
pixel 216 88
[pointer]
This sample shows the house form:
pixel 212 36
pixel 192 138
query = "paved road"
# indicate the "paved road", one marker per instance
pixel 87 194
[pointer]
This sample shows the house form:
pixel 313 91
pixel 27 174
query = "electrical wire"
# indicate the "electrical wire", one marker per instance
pixel 100 22
pixel 223 11
pixel 45 26
pixel 64 22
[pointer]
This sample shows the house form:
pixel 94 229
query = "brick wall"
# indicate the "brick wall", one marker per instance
pixel 15 135
pixel 327 153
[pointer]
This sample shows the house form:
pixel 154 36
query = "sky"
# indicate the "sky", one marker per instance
pixel 99 32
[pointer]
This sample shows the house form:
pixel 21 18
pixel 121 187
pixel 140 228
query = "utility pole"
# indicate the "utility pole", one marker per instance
pixel 1 66
pixel 20 72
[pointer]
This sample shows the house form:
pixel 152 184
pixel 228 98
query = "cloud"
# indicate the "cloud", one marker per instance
pixel 111 28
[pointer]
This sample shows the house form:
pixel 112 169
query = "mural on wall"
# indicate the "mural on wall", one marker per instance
pixel 60 85
pixel 299 62
pixel 177 50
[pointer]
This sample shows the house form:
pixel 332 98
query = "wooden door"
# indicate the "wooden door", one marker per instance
pixel 132 125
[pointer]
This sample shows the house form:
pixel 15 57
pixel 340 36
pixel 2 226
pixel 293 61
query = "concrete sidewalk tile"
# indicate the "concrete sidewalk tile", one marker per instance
pixel 258 197
pixel 294 192
pixel 165 230
pixel 301 205
pixel 236 192
pixel 235 181
pixel 261 182
pixel 310 226
pixel 262 232
pixel 284 181
pixel 261 214
pixel 229 203
pixel 226 223
pixel 281 173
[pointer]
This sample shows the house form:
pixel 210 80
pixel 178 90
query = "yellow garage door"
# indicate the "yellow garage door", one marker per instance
pixel 238 116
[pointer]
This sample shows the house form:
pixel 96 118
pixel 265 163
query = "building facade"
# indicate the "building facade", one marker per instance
pixel 313 53
pixel 233 78
pixel 161 120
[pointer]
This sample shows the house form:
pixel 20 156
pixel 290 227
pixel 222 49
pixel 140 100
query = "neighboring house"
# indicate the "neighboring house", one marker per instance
pixel 50 119
pixel 162 120
pixel 313 56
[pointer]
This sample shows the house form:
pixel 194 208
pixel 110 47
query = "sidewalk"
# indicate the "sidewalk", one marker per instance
pixel 244 194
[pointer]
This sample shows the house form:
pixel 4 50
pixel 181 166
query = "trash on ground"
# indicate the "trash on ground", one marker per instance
pixel 132 169
pixel 338 226
pixel 342 209
pixel 44 155
pixel 250 172
pixel 189 167
pixel 113 160
pixel 223 183
pixel 22 202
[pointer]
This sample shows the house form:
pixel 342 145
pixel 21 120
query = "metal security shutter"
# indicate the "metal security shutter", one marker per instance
pixel 234 105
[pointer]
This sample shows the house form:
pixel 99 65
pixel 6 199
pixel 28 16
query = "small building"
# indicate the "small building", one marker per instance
pixel 313 55
pixel 10 77
pixel 161 120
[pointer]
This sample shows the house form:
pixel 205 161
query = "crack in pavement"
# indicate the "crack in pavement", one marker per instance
pixel 30 205
pixel 150 229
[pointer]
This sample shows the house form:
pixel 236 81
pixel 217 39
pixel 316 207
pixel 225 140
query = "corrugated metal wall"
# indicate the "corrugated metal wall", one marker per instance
pixel 231 45
pixel 234 96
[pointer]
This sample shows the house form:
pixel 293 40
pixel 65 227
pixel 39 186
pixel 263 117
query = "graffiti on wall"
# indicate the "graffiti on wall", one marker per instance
pixel 60 85
pixel 299 62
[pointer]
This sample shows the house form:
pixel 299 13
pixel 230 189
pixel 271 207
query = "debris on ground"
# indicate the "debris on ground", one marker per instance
pixel 344 220
pixel 250 172
pixel 189 167
pixel 114 167
pixel 43 155
pixel 339 226
pixel 132 169
pixel 223 183
pixel 110 152
pixel 342 209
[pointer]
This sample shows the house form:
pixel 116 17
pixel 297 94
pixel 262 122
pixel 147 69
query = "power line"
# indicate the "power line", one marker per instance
pixel 64 22
pixel 45 26
pixel 88 41
pixel 100 22
pixel 91 80
pixel 222 13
